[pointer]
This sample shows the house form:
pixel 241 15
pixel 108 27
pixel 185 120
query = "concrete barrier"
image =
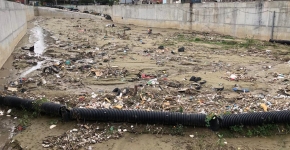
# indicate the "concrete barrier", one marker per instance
pixel 59 13
pixel 13 26
pixel 239 19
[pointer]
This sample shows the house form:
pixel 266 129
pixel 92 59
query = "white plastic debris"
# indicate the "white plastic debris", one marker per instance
pixel 45 146
pixel 43 81
pixel 94 95
pixel 233 76
pixel 52 126
pixel 192 136
pixel 75 130
pixel 280 76
pixel 153 81
pixel 1 113
pixel 9 111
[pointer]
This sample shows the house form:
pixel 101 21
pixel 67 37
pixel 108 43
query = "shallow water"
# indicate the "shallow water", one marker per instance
pixel 37 37
pixel 7 126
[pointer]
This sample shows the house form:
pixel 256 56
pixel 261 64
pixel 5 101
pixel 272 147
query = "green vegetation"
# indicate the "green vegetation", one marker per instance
pixel 25 115
pixel 252 131
pixel 37 107
pixel 177 130
pixel 183 38
pixel 221 141
pixel 228 37
pixel 51 122
pixel 208 118
pixel 24 121
pixel 180 109
pixel 226 42
pixel 197 39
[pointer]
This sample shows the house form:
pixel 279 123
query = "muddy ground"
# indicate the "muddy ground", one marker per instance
pixel 86 60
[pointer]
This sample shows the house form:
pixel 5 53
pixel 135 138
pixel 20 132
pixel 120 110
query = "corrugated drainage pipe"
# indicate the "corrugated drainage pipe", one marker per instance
pixel 138 116
pixel 27 104
pixel 52 108
pixel 152 117
pixel 17 102
pixel 256 118
pixel 280 41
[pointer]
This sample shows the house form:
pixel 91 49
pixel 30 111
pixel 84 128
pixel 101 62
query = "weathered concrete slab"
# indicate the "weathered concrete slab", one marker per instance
pixel 13 25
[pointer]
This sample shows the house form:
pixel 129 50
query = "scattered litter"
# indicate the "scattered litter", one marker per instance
pixel 12 89
pixel 9 111
pixel 195 79
pixel 74 130
pixel 52 126
pixel 181 49
pixel 233 77
pixel 45 146
pixel 149 31
pixel 264 106
pixel 85 63
pixel 244 90
pixel 118 106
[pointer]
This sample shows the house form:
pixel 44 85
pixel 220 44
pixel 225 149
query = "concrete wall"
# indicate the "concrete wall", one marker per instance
pixel 99 8
pixel 239 19
pixel 54 12
pixel 13 26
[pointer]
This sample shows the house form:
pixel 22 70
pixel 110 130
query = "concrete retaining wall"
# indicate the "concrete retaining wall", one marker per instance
pixel 59 13
pixel 13 26
pixel 239 19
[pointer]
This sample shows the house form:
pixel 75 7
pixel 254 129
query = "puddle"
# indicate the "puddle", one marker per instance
pixel 38 38
pixel 38 66
pixel 7 127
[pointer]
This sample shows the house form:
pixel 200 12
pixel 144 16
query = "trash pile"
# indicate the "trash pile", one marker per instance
pixel 128 67
pixel 82 136
pixel 97 66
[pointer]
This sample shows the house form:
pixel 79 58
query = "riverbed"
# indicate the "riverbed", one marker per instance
pixel 86 41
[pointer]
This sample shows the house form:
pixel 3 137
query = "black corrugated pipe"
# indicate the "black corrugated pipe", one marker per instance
pixel 52 108
pixel 27 104
pixel 280 41
pixel 1 100
pixel 138 116
pixel 17 102
pixel 256 118
pixel 152 117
